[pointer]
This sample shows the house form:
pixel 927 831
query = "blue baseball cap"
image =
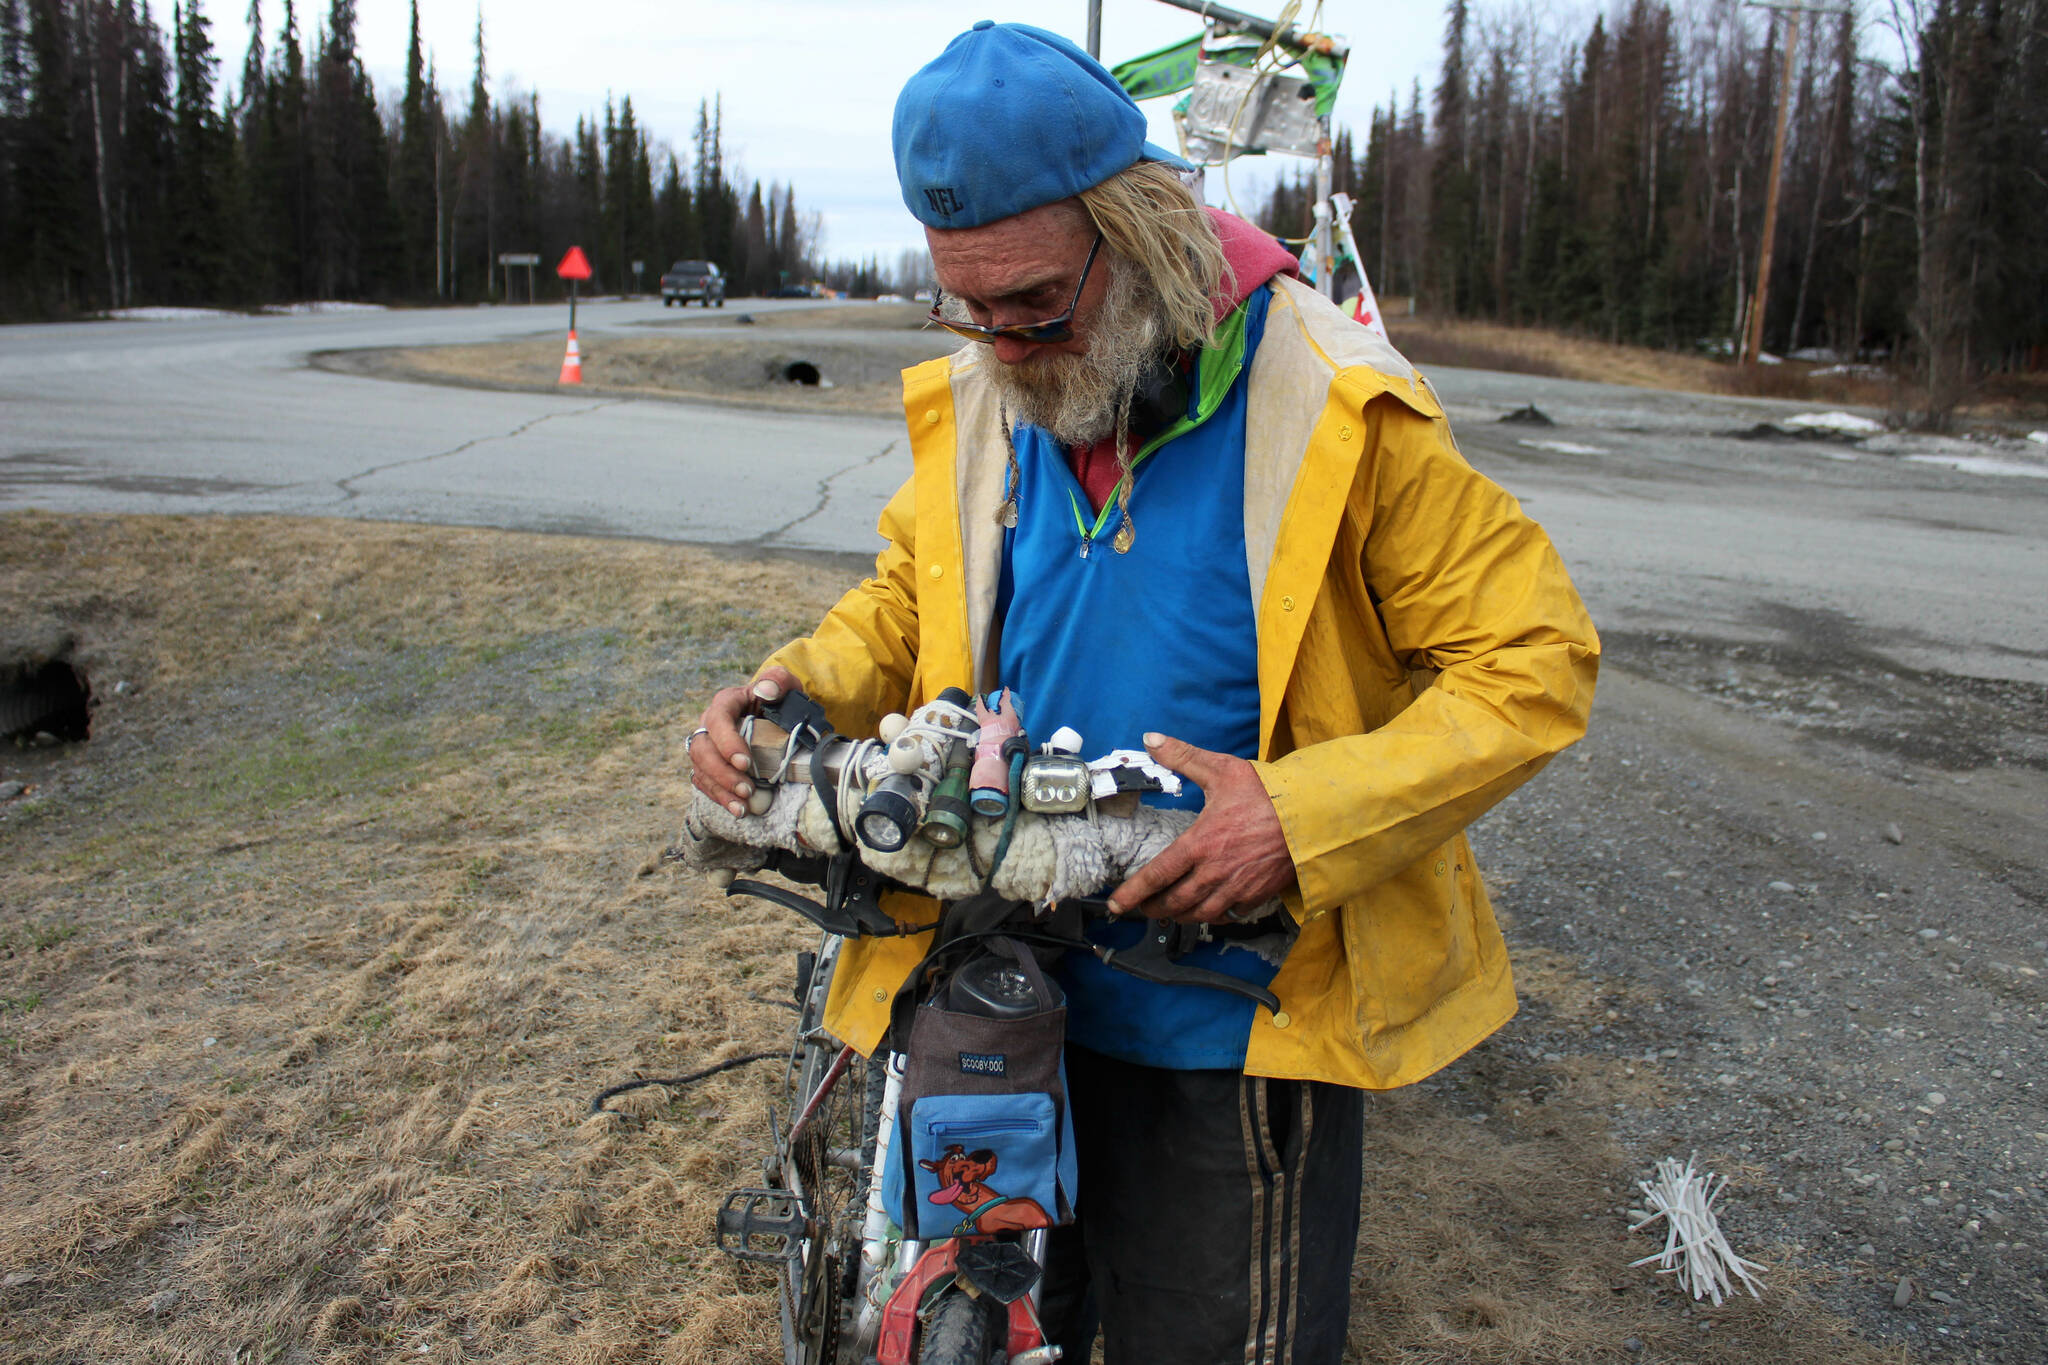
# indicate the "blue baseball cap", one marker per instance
pixel 1010 117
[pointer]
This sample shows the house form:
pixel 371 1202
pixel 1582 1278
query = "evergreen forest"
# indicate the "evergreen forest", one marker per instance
pixel 133 172
pixel 1612 179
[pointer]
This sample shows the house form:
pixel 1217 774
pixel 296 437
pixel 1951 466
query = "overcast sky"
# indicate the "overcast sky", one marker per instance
pixel 808 85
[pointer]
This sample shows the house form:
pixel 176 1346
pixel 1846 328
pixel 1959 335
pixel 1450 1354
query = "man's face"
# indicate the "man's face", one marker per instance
pixel 1020 270
pixel 1024 270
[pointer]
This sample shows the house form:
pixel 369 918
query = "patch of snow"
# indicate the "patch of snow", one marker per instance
pixel 168 314
pixel 1985 464
pixel 1766 358
pixel 1819 355
pixel 1918 443
pixel 1850 372
pixel 2039 438
pixel 1562 447
pixel 323 306
pixel 1846 423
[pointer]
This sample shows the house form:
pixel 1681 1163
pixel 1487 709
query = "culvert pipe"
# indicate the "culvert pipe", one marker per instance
pixel 52 696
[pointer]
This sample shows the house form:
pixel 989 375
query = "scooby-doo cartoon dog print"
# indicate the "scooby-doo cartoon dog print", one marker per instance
pixel 960 1174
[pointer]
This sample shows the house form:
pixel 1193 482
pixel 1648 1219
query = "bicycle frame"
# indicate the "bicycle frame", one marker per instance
pixel 880 1324
pixel 874 1232
pixel 891 1290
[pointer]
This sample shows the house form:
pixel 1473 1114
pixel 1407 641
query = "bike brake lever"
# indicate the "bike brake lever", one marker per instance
pixel 1151 958
pixel 853 904
pixel 789 900
pixel 854 887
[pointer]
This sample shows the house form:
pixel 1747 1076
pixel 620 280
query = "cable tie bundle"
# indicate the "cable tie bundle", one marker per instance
pixel 1694 1249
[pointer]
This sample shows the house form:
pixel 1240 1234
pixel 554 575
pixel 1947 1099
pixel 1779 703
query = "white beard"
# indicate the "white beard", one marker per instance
pixel 1077 397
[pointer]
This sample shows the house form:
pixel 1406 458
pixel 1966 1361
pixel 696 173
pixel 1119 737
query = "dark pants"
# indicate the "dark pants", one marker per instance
pixel 1218 1217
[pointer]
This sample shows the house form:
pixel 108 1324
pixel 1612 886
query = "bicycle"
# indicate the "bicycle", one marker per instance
pixel 853 1289
pixel 842 1264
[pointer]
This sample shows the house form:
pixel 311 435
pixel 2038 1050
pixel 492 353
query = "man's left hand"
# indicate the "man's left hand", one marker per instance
pixel 1233 858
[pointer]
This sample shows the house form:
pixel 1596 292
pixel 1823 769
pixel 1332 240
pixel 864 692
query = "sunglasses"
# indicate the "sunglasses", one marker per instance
pixel 1046 333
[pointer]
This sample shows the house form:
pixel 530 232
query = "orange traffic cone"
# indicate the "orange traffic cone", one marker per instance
pixel 572 364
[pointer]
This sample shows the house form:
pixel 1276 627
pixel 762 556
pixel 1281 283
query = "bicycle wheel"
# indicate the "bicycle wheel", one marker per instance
pixel 960 1331
pixel 825 1164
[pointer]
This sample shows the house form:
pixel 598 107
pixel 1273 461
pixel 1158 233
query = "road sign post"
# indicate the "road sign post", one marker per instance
pixel 529 259
pixel 575 268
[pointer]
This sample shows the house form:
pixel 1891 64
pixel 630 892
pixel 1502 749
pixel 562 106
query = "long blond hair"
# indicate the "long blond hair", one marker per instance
pixel 1149 218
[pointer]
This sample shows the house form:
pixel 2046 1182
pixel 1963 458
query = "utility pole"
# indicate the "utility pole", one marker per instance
pixel 1095 29
pixel 1753 335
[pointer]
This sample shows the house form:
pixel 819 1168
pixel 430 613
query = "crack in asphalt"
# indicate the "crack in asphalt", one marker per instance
pixel 351 494
pixel 824 497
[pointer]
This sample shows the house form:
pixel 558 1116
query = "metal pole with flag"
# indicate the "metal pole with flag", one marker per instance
pixel 1364 306
pixel 1254 86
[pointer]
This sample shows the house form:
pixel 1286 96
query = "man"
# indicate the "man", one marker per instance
pixel 1171 496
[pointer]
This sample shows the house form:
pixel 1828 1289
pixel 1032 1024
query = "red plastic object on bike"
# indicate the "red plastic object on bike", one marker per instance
pixel 1024 1333
pixel 899 1315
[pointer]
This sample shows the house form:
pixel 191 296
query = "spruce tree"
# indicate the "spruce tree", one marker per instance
pixel 14 98
pixel 200 259
pixel 53 224
pixel 413 176
pixel 353 232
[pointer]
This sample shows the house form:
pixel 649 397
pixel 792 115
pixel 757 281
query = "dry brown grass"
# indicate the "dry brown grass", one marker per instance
pixel 307 1079
pixel 1431 341
pixel 313 957
pixel 860 348
pixel 718 361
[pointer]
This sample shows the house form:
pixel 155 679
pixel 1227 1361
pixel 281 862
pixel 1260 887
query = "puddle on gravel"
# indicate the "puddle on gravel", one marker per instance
pixel 1825 685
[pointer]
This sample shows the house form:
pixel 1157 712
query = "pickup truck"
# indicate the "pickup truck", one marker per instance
pixel 687 280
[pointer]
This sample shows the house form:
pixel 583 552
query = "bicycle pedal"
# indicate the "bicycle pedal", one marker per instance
pixel 1004 1271
pixel 762 1225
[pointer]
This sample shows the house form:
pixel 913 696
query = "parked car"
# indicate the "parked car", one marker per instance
pixel 698 280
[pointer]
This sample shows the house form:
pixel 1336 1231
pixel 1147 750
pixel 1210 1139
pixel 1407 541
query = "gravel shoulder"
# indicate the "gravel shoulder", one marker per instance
pixel 1814 936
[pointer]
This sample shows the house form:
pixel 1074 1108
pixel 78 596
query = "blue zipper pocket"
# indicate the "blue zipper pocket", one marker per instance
pixel 984 1163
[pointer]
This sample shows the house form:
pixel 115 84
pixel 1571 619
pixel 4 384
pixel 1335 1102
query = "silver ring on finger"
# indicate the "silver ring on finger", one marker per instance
pixel 690 743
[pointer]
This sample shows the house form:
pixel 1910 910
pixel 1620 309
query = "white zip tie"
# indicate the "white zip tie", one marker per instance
pixel 1694 1251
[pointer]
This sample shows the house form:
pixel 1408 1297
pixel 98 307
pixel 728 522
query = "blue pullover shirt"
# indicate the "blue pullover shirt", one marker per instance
pixel 1163 638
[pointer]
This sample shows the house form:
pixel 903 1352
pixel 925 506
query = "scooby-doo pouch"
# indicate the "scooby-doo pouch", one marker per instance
pixel 983 1140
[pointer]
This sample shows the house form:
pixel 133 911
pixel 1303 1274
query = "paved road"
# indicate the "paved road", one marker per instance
pixel 1672 524
pixel 1669 523
pixel 223 415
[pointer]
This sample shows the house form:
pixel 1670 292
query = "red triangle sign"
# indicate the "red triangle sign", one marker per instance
pixel 574 266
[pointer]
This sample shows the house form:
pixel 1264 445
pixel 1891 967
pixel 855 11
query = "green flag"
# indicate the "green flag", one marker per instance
pixel 1165 72
pixel 1326 73
pixel 1171 69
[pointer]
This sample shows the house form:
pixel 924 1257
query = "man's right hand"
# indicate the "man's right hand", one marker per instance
pixel 718 756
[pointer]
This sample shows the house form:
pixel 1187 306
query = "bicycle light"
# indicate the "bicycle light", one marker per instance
pixel 945 820
pixel 1055 784
pixel 890 814
pixel 1001 731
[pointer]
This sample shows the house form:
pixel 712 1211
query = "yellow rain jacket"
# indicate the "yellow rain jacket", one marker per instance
pixel 1421 652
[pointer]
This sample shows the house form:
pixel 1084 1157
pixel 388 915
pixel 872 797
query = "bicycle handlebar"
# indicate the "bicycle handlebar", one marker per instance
pixel 852 909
